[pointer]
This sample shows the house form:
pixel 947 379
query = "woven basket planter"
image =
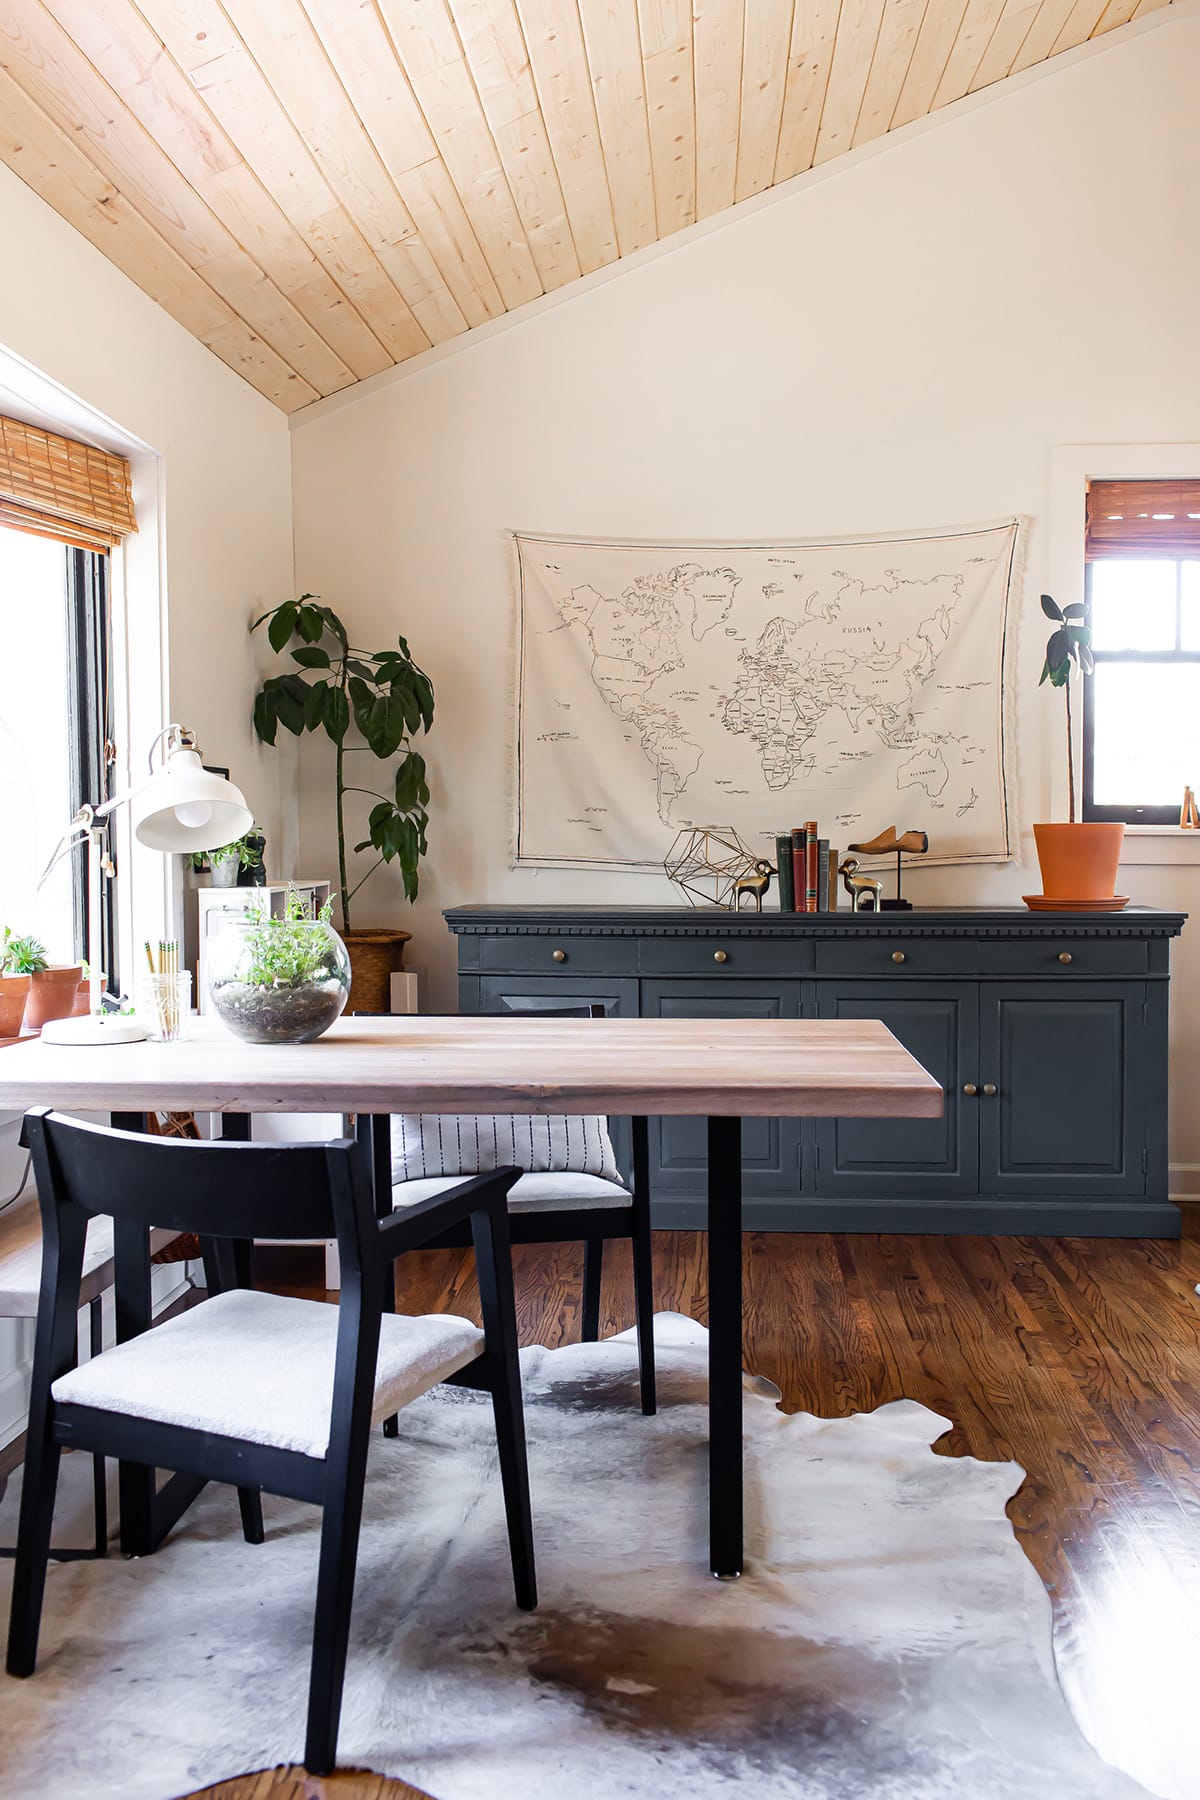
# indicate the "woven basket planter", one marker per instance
pixel 374 957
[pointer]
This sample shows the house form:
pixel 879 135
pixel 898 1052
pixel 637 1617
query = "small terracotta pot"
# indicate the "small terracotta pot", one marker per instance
pixel 1079 862
pixel 14 992
pixel 52 995
pixel 374 955
pixel 83 999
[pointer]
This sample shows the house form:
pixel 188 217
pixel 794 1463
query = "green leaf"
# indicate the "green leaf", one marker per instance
pixel 412 788
pixel 363 670
pixel 384 730
pixel 337 713
pixel 1045 674
pixel 314 705
pixel 265 719
pixel 291 696
pixel 281 626
pixel 310 658
pixel 1051 608
pixel 1073 612
pixel 310 625
pixel 335 624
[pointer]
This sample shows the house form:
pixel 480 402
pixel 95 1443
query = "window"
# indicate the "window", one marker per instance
pixel 55 735
pixel 1141 705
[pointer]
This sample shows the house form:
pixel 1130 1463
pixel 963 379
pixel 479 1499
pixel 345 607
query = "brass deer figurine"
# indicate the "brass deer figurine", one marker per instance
pixel 756 884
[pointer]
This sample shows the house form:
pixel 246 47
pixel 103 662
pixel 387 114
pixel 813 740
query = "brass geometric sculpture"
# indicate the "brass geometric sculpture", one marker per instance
pixel 706 862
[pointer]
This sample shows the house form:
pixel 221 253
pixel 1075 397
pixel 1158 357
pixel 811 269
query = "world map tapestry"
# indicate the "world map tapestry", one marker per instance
pixel 857 682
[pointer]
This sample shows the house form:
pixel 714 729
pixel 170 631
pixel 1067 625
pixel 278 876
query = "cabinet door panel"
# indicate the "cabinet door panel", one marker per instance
pixel 678 1147
pixel 886 1158
pixel 1067 1114
pixel 501 993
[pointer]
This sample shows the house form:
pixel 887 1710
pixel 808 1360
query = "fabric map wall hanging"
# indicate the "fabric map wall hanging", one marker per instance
pixel 858 682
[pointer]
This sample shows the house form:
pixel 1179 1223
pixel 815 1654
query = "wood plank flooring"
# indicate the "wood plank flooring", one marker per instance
pixel 1079 1358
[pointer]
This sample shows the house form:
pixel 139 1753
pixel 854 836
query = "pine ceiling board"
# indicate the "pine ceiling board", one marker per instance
pixel 665 28
pixel 130 56
pixel 54 166
pixel 362 53
pixel 494 48
pixel 768 34
pixel 424 39
pixel 1012 28
pixel 554 40
pixel 55 74
pixel 203 43
pixel 1082 20
pixel 278 35
pixel 974 35
pixel 898 33
pixel 614 53
pixel 935 41
pixel 853 55
pixel 1148 6
pixel 1117 12
pixel 717 31
pixel 810 57
pixel 1052 15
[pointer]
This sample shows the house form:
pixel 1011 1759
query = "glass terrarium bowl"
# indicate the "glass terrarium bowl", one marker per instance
pixel 278 981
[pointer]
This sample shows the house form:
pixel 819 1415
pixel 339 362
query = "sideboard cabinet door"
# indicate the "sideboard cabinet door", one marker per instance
pixel 771 1148
pixel 894 1158
pixel 1067 1064
pixel 503 993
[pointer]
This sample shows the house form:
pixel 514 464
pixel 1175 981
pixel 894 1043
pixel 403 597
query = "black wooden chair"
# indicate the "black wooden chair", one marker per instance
pixel 258 1390
pixel 554 1208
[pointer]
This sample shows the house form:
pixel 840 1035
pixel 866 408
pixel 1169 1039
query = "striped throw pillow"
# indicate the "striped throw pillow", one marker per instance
pixel 464 1144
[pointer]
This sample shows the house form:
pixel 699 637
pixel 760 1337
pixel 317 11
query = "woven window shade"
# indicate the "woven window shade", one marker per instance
pixel 55 488
pixel 1143 518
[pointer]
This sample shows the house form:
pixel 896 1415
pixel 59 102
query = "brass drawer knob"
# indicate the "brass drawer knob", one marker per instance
pixel 720 956
pixel 1064 956
pixel 989 1088
pixel 559 955
pixel 970 1090
pixel 899 956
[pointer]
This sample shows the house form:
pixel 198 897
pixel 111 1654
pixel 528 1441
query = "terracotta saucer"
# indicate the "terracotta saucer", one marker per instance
pixel 1039 903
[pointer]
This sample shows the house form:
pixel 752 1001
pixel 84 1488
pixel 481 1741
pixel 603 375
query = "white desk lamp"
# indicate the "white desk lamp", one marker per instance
pixel 180 806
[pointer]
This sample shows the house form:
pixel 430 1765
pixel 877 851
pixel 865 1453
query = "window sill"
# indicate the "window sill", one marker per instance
pixel 1163 845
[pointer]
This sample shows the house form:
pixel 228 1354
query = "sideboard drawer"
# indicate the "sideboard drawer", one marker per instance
pixel 884 952
pixel 526 954
pixel 716 953
pixel 1063 955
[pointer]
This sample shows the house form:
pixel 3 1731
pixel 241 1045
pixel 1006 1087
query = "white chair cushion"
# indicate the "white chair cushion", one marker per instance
pixel 260 1367
pixel 464 1144
pixel 529 1193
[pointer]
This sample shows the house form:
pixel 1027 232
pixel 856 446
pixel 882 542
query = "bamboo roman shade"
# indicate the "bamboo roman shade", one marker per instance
pixel 54 487
pixel 1143 518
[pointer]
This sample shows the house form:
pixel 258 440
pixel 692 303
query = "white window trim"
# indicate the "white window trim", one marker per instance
pixel 1072 467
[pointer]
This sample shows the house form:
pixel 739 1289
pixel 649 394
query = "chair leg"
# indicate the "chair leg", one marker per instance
pixel 250 1507
pixel 643 1267
pixel 391 1425
pixel 593 1265
pixel 33 1550
pixel 509 1415
pixel 99 1472
pixel 331 1627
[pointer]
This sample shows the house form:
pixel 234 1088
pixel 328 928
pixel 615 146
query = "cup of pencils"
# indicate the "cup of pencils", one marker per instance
pixel 168 993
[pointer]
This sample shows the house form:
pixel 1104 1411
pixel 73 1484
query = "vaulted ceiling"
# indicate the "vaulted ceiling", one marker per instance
pixel 319 189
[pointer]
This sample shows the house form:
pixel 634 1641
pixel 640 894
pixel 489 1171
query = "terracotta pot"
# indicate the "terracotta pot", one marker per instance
pixel 52 995
pixel 14 992
pixel 1079 862
pixel 83 999
pixel 374 956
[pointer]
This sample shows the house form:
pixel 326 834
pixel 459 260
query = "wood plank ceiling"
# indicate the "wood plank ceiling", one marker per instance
pixel 319 189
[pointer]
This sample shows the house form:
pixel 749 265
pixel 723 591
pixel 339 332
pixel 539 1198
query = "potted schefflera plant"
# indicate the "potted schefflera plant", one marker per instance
pixel 369 704
pixel 1078 860
pixel 279 979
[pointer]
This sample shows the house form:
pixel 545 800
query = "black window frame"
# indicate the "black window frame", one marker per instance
pixel 90 727
pixel 1129 813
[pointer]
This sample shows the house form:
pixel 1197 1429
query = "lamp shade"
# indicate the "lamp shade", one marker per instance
pixel 185 807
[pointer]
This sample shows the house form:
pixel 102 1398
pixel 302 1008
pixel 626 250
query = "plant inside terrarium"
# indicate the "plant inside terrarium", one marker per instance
pixel 281 978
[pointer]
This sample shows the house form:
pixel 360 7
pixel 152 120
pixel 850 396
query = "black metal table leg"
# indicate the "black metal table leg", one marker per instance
pixel 374 1134
pixel 131 1299
pixel 235 1129
pixel 725 1346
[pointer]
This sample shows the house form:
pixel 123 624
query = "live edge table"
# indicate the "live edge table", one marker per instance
pixel 723 1070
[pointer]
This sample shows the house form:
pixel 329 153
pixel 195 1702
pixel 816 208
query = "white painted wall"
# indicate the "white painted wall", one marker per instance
pixel 900 342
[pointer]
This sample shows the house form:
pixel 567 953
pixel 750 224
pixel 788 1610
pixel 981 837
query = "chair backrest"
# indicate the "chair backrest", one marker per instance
pixel 291 1192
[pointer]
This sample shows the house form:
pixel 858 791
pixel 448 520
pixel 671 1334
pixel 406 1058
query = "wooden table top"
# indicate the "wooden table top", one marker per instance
pixel 741 1068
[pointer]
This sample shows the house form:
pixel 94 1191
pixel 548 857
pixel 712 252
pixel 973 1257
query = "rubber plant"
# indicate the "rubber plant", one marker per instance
pixel 384 698
pixel 1068 651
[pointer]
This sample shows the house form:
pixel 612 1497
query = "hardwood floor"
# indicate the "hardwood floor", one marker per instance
pixel 1078 1358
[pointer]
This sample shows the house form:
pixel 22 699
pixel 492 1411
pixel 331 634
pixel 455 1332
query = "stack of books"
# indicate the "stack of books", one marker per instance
pixel 807 870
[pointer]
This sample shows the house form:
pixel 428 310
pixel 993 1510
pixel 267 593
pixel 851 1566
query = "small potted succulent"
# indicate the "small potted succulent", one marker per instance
pixel 227 862
pixel 1078 860
pixel 279 979
pixel 50 989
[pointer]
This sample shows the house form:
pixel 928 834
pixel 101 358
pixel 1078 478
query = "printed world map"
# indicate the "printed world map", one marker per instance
pixel 858 683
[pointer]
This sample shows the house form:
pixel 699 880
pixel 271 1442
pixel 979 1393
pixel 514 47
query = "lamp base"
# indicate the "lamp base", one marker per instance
pixel 96 1028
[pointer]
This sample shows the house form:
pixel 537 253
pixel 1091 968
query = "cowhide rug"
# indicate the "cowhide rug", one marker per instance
pixel 889 1639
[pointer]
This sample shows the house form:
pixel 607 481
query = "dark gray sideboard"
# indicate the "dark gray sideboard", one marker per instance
pixel 1048 1032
